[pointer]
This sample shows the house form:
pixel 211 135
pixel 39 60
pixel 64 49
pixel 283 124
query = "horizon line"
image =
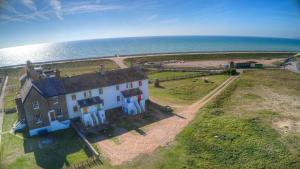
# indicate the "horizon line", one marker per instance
pixel 149 36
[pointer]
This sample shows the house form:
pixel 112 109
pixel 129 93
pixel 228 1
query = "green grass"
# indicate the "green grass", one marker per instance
pixel 162 75
pixel 80 67
pixel 186 91
pixel 67 149
pixel 8 121
pixel 226 134
pixel 194 57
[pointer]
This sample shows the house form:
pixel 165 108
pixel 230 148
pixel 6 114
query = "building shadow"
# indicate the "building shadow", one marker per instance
pixel 119 123
pixel 55 150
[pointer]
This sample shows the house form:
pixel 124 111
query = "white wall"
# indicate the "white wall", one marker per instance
pixel 109 96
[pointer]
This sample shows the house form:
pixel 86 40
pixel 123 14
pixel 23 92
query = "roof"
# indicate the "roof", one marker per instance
pixel 132 92
pixel 25 89
pixel 97 80
pixel 50 87
pixel 89 101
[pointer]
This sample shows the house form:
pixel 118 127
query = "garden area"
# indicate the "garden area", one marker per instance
pixel 185 91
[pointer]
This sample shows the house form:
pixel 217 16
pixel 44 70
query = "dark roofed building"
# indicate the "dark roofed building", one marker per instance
pixel 48 103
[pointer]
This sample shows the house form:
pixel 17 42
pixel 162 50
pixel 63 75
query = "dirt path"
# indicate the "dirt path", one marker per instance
pixel 157 134
pixel 119 61
pixel 2 105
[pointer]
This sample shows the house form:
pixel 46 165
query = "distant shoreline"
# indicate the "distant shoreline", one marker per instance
pixel 144 55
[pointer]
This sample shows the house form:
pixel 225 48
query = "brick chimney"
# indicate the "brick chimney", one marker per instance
pixel 101 69
pixel 57 73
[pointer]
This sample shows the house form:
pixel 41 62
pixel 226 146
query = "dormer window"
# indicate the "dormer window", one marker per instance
pixel 35 105
pixel 117 87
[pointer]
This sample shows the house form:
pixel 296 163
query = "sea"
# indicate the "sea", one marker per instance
pixel 141 45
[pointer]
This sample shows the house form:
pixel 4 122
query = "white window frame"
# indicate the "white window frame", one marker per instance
pixel 35 105
pixel 100 91
pixel 72 97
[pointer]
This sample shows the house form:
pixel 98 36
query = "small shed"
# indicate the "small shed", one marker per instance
pixel 258 65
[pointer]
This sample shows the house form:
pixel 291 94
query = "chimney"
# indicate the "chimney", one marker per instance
pixel 28 68
pixel 101 69
pixel 57 73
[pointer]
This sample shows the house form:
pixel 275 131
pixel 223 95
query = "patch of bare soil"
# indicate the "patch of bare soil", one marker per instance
pixel 286 125
pixel 288 107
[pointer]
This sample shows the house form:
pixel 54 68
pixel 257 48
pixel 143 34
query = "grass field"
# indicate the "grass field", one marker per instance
pixel 237 130
pixel 67 150
pixel 185 91
pixel 81 67
pixel 194 57
pixel 162 75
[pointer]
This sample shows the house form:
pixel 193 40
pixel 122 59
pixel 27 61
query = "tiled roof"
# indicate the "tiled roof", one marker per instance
pixel 132 92
pixel 50 87
pixel 90 101
pixel 97 80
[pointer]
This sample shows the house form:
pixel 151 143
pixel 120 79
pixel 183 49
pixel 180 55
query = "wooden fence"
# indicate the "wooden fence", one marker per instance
pixel 91 162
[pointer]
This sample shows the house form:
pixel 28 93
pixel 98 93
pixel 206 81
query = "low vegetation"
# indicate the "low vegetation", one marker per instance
pixel 237 130
pixel 185 91
pixel 196 57
pixel 58 149
pixel 163 75
pixel 81 67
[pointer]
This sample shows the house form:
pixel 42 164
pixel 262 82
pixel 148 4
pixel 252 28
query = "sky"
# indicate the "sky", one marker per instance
pixel 24 22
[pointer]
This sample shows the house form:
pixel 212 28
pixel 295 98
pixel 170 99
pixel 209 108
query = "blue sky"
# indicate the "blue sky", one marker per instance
pixel 41 21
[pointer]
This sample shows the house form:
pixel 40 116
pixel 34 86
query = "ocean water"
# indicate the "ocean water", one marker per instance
pixel 141 45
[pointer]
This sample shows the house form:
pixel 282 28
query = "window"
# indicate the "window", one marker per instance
pixel 140 83
pixel 117 87
pixel 118 98
pixel 35 105
pixel 131 85
pixel 90 93
pixel 84 94
pixel 55 100
pixel 38 118
pixel 59 113
pixel 100 91
pixel 75 108
pixel 73 97
pixel 85 110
